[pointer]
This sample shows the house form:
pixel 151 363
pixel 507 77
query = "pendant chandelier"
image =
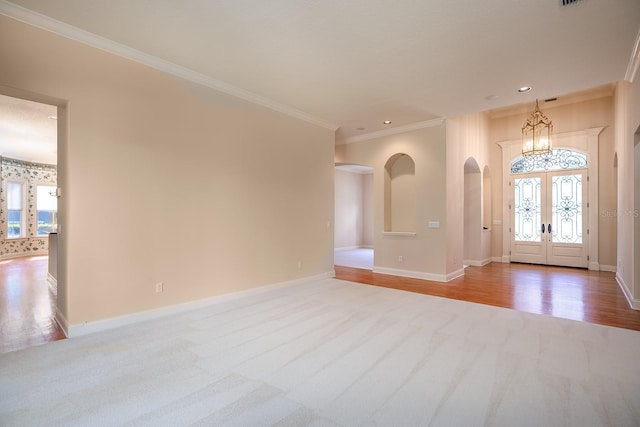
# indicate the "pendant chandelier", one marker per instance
pixel 536 134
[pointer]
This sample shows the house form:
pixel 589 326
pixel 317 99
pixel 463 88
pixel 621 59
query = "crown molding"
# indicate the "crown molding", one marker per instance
pixel 634 61
pixel 394 131
pixel 65 30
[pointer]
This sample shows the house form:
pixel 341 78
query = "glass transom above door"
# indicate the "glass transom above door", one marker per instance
pixel 559 159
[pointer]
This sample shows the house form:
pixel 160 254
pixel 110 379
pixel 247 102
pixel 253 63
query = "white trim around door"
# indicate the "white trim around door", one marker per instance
pixel 585 141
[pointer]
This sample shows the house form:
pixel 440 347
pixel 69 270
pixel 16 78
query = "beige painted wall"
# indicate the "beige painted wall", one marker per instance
pixel 472 248
pixel 349 210
pixel 467 137
pixel 636 215
pixel 354 210
pixel 368 210
pixel 424 252
pixel 165 181
pixel 627 119
pixel 402 195
pixel 566 118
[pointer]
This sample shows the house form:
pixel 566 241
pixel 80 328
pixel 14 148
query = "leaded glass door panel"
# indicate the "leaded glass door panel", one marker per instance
pixel 567 218
pixel 528 236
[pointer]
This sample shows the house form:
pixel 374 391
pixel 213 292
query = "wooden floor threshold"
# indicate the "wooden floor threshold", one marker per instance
pixel 570 293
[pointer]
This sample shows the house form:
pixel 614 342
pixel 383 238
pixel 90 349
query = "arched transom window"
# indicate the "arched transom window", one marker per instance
pixel 559 159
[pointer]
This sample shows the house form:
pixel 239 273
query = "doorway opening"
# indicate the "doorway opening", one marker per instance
pixel 549 211
pixel 636 210
pixel 28 221
pixel 354 216
pixel 559 191
pixel 472 230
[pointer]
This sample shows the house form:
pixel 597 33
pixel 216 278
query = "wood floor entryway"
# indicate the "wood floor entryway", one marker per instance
pixel 570 293
pixel 27 305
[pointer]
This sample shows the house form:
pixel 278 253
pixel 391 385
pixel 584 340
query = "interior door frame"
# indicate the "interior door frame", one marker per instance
pixel 585 141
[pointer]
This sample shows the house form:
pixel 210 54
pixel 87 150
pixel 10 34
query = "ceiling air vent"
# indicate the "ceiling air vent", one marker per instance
pixel 568 2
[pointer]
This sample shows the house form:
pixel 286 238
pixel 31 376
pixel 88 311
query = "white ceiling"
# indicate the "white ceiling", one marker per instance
pixel 352 64
pixel 26 131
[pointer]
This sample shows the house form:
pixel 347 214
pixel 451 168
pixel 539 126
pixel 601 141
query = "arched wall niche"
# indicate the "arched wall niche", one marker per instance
pixel 400 194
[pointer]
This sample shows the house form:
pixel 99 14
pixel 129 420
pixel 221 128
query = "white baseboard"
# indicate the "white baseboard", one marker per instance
pixel 477 263
pixel 53 283
pixel 633 303
pixel 91 327
pixel 506 259
pixel 455 274
pixel 62 322
pixel 594 266
pixel 610 268
pixel 497 259
pixel 412 274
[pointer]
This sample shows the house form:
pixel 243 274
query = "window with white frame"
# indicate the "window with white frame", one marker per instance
pixel 46 208
pixel 15 210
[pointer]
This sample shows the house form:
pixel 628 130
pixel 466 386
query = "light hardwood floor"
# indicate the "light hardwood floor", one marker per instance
pixel 27 305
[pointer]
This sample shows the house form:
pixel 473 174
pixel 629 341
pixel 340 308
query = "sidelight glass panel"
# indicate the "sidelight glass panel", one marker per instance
pixel 566 209
pixel 528 218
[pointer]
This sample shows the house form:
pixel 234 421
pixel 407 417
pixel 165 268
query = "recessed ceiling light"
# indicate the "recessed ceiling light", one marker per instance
pixel 52 117
pixel 491 97
pixel 524 89
pixel 387 122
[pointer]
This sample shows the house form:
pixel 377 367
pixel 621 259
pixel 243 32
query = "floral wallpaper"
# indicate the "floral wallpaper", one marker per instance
pixel 32 175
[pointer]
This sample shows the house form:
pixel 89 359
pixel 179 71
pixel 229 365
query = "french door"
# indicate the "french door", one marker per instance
pixel 549 216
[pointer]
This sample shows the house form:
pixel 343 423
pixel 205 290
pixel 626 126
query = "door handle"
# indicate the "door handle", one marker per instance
pixel 548 228
pixel 542 229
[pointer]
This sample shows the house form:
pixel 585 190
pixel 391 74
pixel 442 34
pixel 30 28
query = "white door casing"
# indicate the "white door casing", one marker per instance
pixel 585 141
pixel 549 218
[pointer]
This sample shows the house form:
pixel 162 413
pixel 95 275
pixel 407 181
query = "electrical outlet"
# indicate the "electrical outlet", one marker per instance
pixel 400 258
pixel 159 287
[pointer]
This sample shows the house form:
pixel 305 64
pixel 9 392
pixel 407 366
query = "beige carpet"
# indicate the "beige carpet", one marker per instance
pixel 331 353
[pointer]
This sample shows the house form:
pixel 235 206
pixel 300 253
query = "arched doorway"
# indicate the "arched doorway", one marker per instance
pixel 472 213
